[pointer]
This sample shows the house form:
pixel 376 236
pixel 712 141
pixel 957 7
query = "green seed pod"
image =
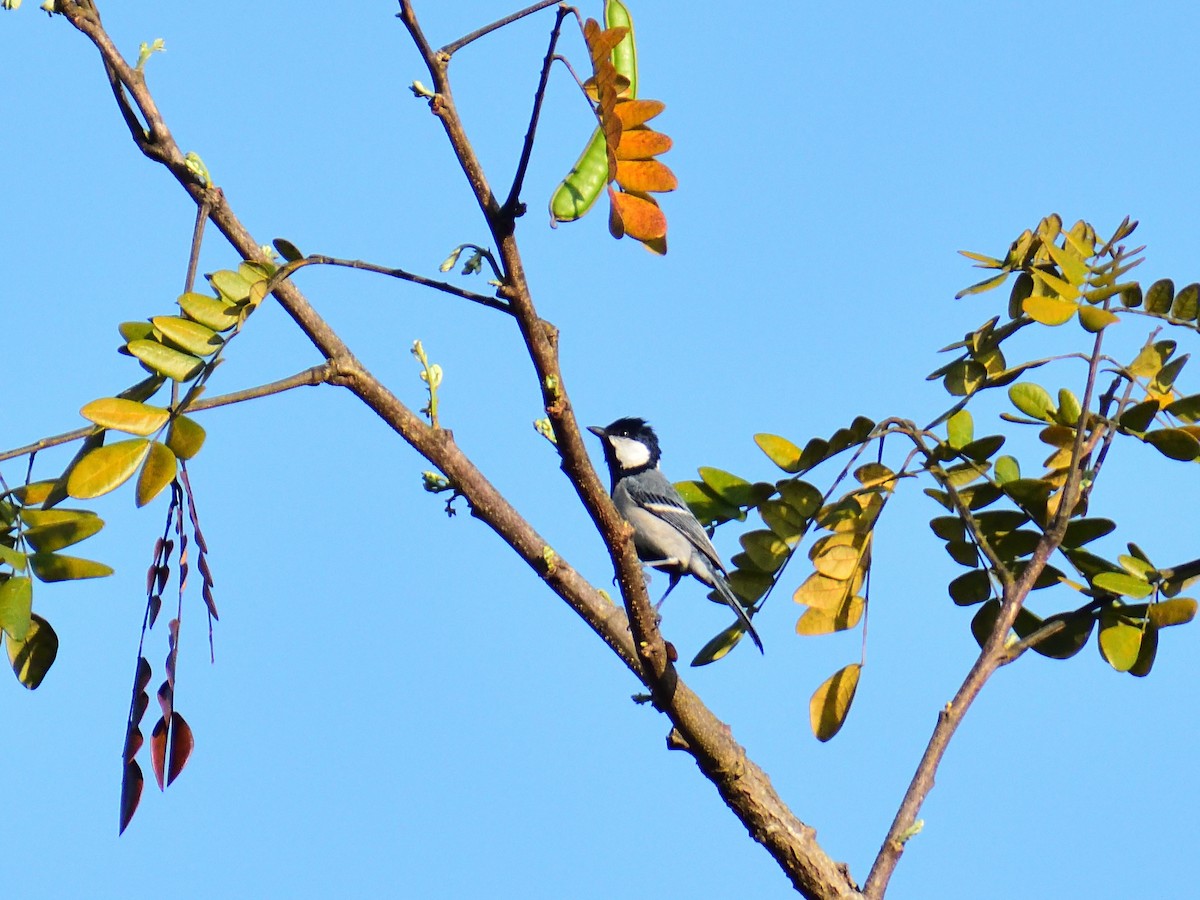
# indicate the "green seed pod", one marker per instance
pixel 582 187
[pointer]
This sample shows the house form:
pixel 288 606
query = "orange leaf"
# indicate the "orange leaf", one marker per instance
pixel 182 743
pixel 642 143
pixel 638 217
pixel 601 43
pixel 158 750
pixel 635 112
pixel 645 175
pixel 131 792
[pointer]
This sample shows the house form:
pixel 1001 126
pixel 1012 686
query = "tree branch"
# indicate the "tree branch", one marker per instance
pixel 316 259
pixel 314 376
pixel 454 46
pixel 514 194
pixel 743 785
pixel 994 654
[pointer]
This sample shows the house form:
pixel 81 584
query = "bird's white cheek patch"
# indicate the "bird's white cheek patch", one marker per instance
pixel 631 454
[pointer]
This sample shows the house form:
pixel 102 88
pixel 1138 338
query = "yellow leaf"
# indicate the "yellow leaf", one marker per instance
pixel 31 658
pixel 157 473
pixel 106 468
pixel 819 621
pixel 831 701
pixel 185 437
pixel 125 415
pixel 1049 310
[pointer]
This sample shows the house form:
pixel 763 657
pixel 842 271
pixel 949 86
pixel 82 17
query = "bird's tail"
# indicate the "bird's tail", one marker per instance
pixel 731 600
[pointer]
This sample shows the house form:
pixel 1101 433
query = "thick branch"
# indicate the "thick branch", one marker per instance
pixel 743 786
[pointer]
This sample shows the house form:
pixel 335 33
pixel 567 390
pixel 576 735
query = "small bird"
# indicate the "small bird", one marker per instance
pixel 665 533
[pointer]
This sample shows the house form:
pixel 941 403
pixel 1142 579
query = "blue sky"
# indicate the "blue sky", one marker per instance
pixel 397 706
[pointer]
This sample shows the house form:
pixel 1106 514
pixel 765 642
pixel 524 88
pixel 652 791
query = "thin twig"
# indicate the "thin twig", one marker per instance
pixel 514 194
pixel 993 652
pixel 316 375
pixel 454 46
pixel 317 259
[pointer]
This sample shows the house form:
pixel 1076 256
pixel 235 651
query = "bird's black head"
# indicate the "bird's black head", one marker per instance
pixel 630 445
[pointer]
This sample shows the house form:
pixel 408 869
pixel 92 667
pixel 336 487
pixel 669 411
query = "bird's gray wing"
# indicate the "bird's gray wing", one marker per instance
pixel 665 502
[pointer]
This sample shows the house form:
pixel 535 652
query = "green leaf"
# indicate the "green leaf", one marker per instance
pixel 986 285
pixel 75 526
pixel 136 331
pixel 58 493
pixel 16 606
pixel 218 315
pixel 1159 296
pixel 964 378
pixel 704 504
pixel 185 437
pixel 783 519
pixel 971 588
pixel 1069 409
pixel 1151 358
pixel 949 528
pixel 13 558
pixel 1146 653
pixel 1186 303
pixel 734 490
pixel 749 585
pixel 964 553
pixel 287 250
pixel 32 658
pixel 1021 289
pixel 719 645
pixel 56 567
pixel 162 359
pixel 1174 443
pixel 1131 296
pixel 189 336
pixel 995 522
pixel 106 468
pixel 34 493
pixel 1074 636
pixel 1186 409
pixel 1120 642
pixel 984 621
pixel 157 472
pixel 1096 318
pixel 1176 611
pixel 983 448
pixel 143 390
pixel 1006 469
pixel 960 429
pixel 765 549
pixel 1139 417
pixel 1122 583
pixel 830 703
pixel 125 415
pixel 801 496
pixel 231 285
pixel 1084 531
pixel 1033 400
pixel 814 452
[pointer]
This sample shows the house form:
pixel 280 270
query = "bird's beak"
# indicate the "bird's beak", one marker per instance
pixel 597 431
